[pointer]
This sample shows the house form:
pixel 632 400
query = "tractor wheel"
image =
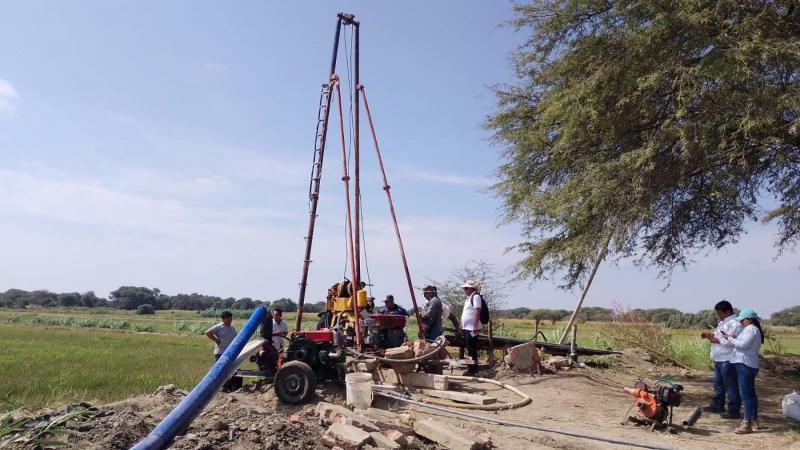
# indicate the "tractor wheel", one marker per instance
pixel 295 382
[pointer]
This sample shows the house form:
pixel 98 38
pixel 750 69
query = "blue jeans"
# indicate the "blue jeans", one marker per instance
pixel 726 384
pixel 434 331
pixel 747 389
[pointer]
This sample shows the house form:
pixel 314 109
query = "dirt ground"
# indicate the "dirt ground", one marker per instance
pixel 586 401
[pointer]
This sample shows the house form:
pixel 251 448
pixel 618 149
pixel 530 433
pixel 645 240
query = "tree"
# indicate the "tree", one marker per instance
pixel 130 297
pixel 244 303
pixel 284 304
pixel 493 286
pixel 650 129
pixel 789 317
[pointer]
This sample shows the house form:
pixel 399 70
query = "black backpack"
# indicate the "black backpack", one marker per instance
pixel 484 309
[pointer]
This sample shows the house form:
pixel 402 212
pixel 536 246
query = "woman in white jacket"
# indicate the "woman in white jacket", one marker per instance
pixel 745 359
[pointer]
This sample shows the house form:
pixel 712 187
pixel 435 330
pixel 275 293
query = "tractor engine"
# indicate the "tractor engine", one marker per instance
pixel 383 330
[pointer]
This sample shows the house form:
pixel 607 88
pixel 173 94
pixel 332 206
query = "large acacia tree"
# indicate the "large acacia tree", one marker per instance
pixel 650 128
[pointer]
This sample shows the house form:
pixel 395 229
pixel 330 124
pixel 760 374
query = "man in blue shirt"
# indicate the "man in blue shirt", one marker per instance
pixel 390 307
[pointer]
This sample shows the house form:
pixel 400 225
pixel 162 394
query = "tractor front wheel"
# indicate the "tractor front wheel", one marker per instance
pixel 295 382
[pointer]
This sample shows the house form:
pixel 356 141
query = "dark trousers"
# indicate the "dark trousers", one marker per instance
pixel 471 343
pixel 747 389
pixel 233 383
pixel 726 384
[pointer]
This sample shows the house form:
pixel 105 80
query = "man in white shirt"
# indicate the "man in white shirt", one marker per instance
pixel 725 381
pixel 279 329
pixel 471 323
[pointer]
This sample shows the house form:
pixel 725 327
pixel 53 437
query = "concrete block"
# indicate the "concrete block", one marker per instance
pixel 397 436
pixel 381 441
pixel 401 352
pixel 425 380
pixel 447 435
pixel 346 436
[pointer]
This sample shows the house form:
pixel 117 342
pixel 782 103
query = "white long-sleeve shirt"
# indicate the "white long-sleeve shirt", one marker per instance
pixel 746 347
pixel 723 352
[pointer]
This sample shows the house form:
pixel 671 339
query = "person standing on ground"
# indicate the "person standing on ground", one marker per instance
pixel 222 334
pixel 431 315
pixel 726 383
pixel 279 329
pixel 745 359
pixel 471 322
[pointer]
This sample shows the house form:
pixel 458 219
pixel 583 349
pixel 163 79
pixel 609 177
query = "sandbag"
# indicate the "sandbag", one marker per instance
pixel 791 406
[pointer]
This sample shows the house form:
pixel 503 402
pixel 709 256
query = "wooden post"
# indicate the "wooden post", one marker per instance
pixel 491 347
pixel 574 316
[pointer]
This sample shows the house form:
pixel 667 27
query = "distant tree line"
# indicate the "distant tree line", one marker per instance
pixel 132 297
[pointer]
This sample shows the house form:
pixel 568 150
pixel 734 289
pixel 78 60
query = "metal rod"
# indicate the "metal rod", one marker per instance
pixel 386 189
pixel 315 182
pixel 356 161
pixel 354 286
pixel 597 262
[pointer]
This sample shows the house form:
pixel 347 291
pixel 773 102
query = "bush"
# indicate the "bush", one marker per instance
pixel 145 309
pixel 144 327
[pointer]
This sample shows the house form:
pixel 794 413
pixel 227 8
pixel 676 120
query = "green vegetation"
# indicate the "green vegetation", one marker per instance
pixel 650 130
pixel 47 366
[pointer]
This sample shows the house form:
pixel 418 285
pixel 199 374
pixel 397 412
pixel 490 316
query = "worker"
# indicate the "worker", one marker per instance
pixel 279 329
pixel 431 315
pixel 222 334
pixel 725 381
pixel 745 359
pixel 390 307
pixel 471 322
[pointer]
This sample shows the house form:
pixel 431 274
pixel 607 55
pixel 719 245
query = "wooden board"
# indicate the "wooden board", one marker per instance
pixel 462 397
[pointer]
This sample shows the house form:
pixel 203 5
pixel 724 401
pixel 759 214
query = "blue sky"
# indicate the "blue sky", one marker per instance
pixel 168 144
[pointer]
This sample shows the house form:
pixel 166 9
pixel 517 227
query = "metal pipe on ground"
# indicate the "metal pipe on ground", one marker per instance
pixel 183 414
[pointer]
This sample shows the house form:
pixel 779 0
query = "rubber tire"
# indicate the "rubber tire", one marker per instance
pixel 295 382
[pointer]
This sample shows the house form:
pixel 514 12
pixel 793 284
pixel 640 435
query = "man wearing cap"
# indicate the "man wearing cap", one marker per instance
pixel 471 322
pixel 725 382
pixel 431 315
pixel 390 307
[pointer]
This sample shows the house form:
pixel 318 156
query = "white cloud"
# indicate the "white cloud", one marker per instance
pixel 9 99
pixel 216 67
pixel 445 178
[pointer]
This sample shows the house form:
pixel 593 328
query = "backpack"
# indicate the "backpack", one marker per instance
pixel 484 309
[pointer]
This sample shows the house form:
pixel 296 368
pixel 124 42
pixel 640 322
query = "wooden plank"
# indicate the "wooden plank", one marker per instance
pixel 462 397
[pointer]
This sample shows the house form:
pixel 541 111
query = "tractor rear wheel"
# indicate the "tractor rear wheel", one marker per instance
pixel 295 382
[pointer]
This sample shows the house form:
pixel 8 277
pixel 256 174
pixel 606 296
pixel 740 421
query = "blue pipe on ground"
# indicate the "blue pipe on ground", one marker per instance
pixel 183 414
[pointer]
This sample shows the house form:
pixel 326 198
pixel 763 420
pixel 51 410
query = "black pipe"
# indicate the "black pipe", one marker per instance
pixel 692 417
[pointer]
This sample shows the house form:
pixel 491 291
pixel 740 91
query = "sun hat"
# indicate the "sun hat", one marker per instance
pixel 389 298
pixel 747 313
pixel 470 284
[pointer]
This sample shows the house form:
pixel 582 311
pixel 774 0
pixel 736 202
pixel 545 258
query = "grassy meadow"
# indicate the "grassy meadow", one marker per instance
pixel 56 356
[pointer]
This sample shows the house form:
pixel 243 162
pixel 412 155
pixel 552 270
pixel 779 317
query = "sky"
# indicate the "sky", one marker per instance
pixel 169 144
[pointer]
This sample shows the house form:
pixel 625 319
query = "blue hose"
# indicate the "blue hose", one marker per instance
pixel 183 414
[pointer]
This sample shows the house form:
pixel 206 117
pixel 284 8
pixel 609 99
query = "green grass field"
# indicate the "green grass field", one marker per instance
pixel 44 365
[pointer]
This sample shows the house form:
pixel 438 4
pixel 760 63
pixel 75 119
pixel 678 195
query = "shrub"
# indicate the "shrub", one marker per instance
pixel 145 309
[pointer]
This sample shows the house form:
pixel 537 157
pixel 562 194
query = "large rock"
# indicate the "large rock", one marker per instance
pixel 524 358
pixel 447 435
pixel 386 420
pixel 345 436
pixel 401 352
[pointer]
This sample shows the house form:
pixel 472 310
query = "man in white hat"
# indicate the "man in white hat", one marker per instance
pixel 471 322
